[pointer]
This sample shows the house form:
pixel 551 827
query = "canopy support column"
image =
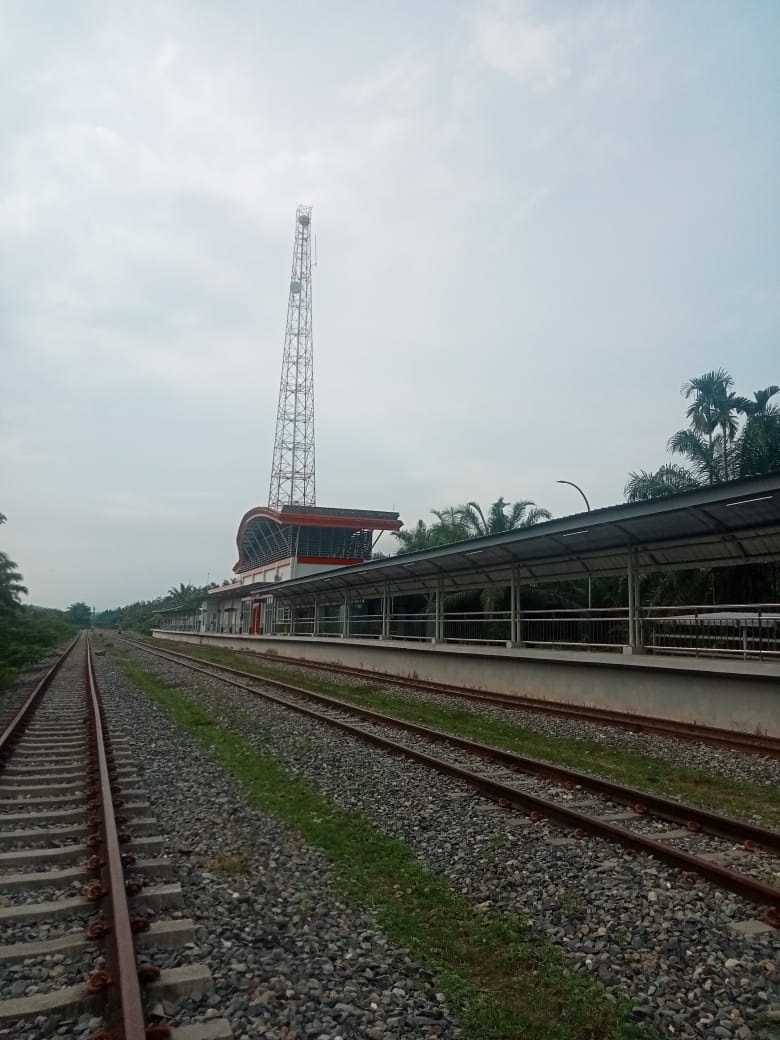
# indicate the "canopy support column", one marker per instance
pixel 515 610
pixel 315 631
pixel 387 607
pixel 345 619
pixel 634 618
pixel 639 647
pixel 438 617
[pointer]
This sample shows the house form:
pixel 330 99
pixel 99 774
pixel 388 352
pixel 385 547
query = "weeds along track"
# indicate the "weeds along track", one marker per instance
pixel 732 854
pixel 748 743
pixel 87 905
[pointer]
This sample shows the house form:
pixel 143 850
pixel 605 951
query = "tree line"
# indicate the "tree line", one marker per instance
pixel 27 633
pixel 140 615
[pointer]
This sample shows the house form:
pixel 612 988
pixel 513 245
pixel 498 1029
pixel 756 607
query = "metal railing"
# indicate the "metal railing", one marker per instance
pixel 746 630
pixel 735 630
pixel 595 629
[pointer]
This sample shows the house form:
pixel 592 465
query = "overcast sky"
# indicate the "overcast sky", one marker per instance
pixel 534 222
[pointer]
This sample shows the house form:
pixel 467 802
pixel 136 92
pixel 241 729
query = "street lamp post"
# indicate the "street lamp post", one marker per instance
pixel 587 506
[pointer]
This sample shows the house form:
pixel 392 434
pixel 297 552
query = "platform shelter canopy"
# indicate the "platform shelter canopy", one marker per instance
pixel 313 533
pixel 725 525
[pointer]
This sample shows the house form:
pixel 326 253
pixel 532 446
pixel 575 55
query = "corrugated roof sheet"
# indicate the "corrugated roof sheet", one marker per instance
pixel 728 524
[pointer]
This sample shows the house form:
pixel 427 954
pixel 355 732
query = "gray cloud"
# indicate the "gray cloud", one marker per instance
pixel 534 222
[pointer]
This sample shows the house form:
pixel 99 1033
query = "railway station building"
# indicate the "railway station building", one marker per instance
pixel 280 545
pixel 307 571
pixel 306 588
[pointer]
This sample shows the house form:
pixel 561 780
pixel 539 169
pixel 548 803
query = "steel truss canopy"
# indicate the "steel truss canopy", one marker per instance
pixel 726 525
pixel 310 533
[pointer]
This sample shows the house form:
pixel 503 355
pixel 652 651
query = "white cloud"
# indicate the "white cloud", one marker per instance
pixel 493 252
pixel 529 50
pixel 166 56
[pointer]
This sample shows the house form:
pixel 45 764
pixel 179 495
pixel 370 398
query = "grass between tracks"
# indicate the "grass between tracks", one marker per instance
pixel 746 800
pixel 503 982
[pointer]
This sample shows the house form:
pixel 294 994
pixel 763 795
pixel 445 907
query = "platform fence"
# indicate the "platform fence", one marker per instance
pixel 741 630
pixel 733 630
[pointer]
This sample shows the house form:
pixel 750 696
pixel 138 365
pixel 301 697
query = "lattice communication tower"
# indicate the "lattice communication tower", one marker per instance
pixel 292 472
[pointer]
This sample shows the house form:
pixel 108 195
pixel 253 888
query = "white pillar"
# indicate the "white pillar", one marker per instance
pixel 345 620
pixel 386 609
pixel 634 626
pixel 438 618
pixel 631 591
pixel 516 615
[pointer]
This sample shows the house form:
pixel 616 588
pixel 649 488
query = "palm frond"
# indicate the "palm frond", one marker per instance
pixel 668 480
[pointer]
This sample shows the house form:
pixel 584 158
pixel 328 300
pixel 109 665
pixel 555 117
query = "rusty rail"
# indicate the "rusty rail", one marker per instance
pixel 748 743
pixel 641 801
pixel 120 980
pixel 764 895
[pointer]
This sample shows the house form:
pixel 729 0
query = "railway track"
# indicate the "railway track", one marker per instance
pixel 748 743
pixel 694 840
pixel 86 904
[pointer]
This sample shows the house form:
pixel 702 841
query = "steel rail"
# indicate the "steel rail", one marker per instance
pixel 746 742
pixel 125 1012
pixel 755 891
pixel 18 723
pixel 692 817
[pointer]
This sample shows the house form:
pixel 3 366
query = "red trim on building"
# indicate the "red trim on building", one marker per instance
pixel 332 561
pixel 357 523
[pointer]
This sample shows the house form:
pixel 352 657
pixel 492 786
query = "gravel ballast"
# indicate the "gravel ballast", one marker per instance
pixel 627 922
pixel 689 754
pixel 288 957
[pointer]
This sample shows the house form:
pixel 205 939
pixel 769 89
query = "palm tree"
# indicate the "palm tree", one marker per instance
pixel 498 520
pixel 184 596
pixel 460 523
pixel 501 517
pixel 668 480
pixel 448 528
pixel 419 538
pixel 702 454
pixel 715 406
pixel 11 587
pixel 759 444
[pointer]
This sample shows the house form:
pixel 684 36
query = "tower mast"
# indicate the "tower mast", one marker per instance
pixel 292 471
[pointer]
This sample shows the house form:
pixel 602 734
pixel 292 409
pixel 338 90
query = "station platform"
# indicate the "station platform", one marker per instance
pixel 738 695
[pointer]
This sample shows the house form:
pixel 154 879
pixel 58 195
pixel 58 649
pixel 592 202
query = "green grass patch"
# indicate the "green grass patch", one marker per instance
pixel 735 798
pixel 503 982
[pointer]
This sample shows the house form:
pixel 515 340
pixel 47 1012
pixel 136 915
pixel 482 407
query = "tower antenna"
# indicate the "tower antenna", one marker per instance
pixel 292 471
